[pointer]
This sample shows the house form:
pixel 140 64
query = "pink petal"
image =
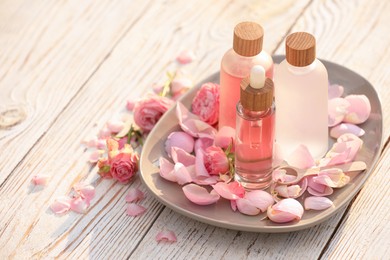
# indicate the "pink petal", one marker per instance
pixel 181 140
pixel 281 176
pixel 79 205
pixel 186 56
pixel 85 190
pixel 301 158
pixel 335 91
pixel 285 210
pixel 181 156
pixel 359 109
pixel 233 205
pixel 230 191
pixel 91 141
pixel 337 109
pixel 134 195
pixel 199 164
pixel 203 143
pixel 200 195
pixel 246 207
pixel 115 126
pixel 318 189
pixel 167 235
pixel 134 209
pixel 191 123
pixel 157 88
pixel 104 133
pixel 95 156
pixel 182 174
pixel 344 128
pixel 224 137
pixel 61 205
pixel 40 179
pixel 344 150
pixel 334 178
pixel 130 105
pixel 179 84
pixel 260 199
pixel 317 203
pixel 202 180
pixel 101 144
pixel 166 170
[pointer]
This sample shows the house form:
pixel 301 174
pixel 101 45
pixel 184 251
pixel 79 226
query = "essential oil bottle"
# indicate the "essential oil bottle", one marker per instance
pixel 236 65
pixel 255 131
pixel 301 97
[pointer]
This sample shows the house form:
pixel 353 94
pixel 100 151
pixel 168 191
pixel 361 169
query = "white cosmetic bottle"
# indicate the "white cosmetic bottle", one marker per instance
pixel 301 98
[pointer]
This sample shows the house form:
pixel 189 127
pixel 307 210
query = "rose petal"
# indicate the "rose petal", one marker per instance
pixel 191 123
pixel 203 143
pixel 359 109
pixel 285 210
pixel 200 195
pixel 317 203
pixel 166 235
pixel 301 158
pixel 260 199
pixel 134 195
pixel 95 156
pixel 199 164
pixel 337 109
pixel 180 84
pixel 246 207
pixel 61 205
pixel 91 141
pixel 344 128
pixel 181 140
pixel 134 209
pixel 130 105
pixel 181 156
pixel 186 56
pixel 343 151
pixel 224 137
pixel 157 88
pixel 115 126
pixel 230 191
pixel 101 144
pixel 183 176
pixel 281 176
pixel 233 205
pixel 104 133
pixel 335 91
pixel 85 190
pixel 334 178
pixel 166 170
pixel 40 179
pixel 318 189
pixel 79 205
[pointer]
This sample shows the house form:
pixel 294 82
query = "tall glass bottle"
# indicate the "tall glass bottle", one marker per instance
pixel 301 96
pixel 236 65
pixel 255 131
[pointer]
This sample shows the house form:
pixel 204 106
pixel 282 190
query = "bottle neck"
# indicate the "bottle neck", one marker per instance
pixel 253 115
pixel 301 70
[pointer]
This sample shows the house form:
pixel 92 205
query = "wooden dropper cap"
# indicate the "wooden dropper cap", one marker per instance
pixel 300 49
pixel 248 39
pixel 257 92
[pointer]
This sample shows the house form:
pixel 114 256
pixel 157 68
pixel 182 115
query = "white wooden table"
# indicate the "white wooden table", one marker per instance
pixel 71 65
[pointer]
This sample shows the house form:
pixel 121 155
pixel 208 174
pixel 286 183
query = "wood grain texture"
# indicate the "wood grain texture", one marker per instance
pixel 27 227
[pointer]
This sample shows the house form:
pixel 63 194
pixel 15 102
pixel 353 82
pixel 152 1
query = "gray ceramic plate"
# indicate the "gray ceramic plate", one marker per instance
pixel 220 214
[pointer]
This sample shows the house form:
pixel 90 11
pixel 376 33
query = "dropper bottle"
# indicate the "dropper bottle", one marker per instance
pixel 255 130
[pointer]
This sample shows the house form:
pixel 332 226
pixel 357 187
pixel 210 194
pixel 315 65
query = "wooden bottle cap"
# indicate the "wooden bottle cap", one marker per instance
pixel 248 39
pixel 300 49
pixel 256 99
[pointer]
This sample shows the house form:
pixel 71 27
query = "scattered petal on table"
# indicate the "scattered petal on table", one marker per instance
pixel 317 203
pixel 247 207
pixel 115 125
pixel 181 140
pixel 130 105
pixel 134 195
pixel 104 133
pixel 337 109
pixel 301 158
pixel 79 205
pixel 134 209
pixel 285 210
pixel 344 128
pixel 86 191
pixel 186 56
pixel 260 199
pixel 166 235
pixel 224 137
pixel 40 179
pixel 61 205
pixel 359 109
pixel 200 195
pixel 90 141
pixel 95 156
pixel 335 91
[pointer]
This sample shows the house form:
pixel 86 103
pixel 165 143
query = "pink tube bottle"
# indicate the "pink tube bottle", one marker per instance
pixel 236 65
pixel 255 131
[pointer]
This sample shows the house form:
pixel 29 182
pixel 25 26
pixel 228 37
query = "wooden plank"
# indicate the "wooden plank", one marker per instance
pixel 27 226
pixel 365 231
pixel 48 50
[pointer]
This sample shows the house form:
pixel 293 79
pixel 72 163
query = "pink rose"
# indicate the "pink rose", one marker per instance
pixel 215 160
pixel 206 103
pixel 124 166
pixel 149 110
